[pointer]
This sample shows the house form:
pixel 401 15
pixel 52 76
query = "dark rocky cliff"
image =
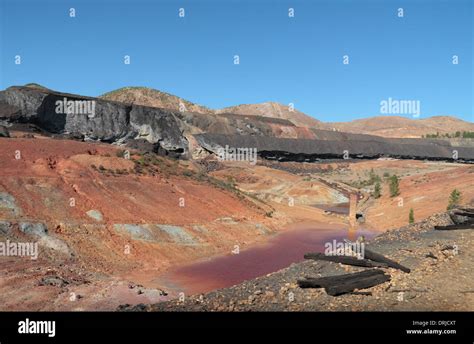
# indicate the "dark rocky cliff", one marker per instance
pixel 357 146
pixel 111 122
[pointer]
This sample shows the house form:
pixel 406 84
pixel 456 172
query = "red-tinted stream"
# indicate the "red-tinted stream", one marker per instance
pixel 279 252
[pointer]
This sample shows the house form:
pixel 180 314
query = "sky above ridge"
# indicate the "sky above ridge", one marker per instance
pixel 288 59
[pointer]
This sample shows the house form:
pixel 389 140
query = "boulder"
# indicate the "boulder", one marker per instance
pixel 4 131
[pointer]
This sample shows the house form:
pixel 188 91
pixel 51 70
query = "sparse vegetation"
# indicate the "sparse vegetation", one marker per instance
pixel 394 186
pixel 373 179
pixel 231 181
pixel 454 199
pixel 411 216
pixel 457 134
pixel 377 190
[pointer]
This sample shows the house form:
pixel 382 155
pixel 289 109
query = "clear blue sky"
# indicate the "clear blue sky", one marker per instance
pixel 282 59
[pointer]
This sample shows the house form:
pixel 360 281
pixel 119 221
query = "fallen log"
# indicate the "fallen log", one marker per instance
pixel 347 283
pixel 364 293
pixel 328 280
pixel 377 257
pixel 462 213
pixel 347 260
pixel 468 210
pixel 454 227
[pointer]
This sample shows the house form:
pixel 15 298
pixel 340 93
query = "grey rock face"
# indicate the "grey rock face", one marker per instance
pixel 21 102
pixel 5 227
pixel 109 122
pixel 35 229
pixel 158 126
pixel 4 131
pixel 8 204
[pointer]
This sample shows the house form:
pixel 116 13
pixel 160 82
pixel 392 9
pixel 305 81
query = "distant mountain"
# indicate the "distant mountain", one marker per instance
pixel 275 110
pixel 37 86
pixel 385 126
pixel 151 97
pixel 396 126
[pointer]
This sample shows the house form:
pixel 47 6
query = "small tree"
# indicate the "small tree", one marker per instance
pixel 454 199
pixel 372 177
pixel 394 186
pixel 377 190
pixel 411 216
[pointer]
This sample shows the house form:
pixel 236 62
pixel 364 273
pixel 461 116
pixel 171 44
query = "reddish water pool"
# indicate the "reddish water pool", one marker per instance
pixel 279 252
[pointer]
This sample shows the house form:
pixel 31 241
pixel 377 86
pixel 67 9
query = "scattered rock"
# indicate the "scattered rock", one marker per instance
pixel 55 281
pixel 35 229
pixel 4 131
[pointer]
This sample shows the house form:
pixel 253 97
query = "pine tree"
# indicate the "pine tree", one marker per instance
pixel 454 199
pixel 411 216
pixel 377 190
pixel 394 186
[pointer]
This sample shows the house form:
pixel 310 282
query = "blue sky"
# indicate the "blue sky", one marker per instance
pixel 289 60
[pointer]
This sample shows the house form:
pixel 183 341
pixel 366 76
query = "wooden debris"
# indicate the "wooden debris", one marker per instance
pixel 364 293
pixel 347 260
pixel 377 257
pixel 447 248
pixel 431 255
pixel 462 213
pixel 454 227
pixel 347 283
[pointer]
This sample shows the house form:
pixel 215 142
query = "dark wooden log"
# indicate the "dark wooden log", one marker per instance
pixel 454 227
pixel 462 213
pixel 347 283
pixel 364 293
pixel 329 280
pixel 349 286
pixel 377 257
pixel 347 260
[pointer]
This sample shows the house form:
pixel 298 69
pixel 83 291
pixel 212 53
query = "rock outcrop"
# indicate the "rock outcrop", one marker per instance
pixel 4 131
pixel 108 122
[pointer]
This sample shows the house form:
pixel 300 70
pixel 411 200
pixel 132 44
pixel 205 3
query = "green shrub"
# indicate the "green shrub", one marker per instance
pixel 394 186
pixel 411 216
pixel 454 199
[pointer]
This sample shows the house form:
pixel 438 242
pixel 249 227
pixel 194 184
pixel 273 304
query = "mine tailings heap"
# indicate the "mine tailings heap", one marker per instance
pixel 337 145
